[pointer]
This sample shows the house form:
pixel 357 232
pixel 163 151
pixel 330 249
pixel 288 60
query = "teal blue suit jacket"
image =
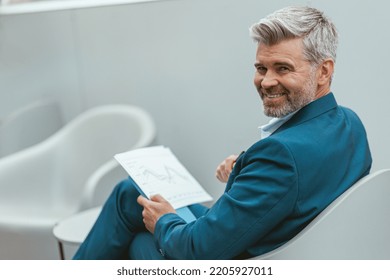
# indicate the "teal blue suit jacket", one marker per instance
pixel 276 187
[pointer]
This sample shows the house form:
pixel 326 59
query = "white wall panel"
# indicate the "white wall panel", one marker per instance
pixel 37 60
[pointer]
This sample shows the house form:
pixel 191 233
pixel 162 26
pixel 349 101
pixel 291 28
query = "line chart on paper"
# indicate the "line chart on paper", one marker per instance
pixel 156 170
pixel 167 175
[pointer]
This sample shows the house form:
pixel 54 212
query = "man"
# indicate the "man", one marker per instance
pixel 310 153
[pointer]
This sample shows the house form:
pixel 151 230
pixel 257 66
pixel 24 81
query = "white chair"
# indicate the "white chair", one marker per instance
pixel 63 175
pixel 29 125
pixel 355 226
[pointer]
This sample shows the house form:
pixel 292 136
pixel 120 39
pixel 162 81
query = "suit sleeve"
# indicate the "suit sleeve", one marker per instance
pixel 261 192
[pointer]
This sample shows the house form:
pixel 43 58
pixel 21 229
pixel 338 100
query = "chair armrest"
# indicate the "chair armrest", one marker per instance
pixel 100 184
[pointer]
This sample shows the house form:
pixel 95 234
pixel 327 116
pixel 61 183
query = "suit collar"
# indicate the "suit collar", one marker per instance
pixel 310 111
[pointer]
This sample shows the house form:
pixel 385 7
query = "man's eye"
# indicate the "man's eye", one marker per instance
pixel 283 69
pixel 261 69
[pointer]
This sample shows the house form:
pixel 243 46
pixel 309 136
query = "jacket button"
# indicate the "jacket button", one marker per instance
pixel 161 252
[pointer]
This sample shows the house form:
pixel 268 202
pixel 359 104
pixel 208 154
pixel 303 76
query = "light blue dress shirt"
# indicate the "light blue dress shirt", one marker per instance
pixel 269 128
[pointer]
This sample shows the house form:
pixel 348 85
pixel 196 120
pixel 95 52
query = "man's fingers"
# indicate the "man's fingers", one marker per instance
pixel 142 200
pixel 225 168
pixel 158 198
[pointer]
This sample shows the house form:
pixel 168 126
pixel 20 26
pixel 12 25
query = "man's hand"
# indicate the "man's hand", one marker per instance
pixel 153 210
pixel 225 168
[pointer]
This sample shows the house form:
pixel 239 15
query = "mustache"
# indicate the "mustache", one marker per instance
pixel 273 90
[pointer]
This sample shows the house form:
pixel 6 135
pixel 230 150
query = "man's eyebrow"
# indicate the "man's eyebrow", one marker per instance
pixel 283 64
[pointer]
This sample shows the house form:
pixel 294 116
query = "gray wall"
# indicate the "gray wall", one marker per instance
pixel 190 64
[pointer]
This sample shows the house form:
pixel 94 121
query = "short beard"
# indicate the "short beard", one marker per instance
pixel 294 101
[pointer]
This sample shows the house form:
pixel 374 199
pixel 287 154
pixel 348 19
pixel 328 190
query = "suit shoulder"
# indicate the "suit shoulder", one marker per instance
pixel 270 147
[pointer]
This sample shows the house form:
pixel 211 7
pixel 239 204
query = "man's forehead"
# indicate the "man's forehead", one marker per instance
pixel 284 51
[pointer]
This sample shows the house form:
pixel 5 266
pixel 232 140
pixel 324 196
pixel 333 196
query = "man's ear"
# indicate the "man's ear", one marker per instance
pixel 325 72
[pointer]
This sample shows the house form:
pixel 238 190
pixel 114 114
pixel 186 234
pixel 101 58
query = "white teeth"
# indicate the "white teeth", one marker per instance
pixel 274 95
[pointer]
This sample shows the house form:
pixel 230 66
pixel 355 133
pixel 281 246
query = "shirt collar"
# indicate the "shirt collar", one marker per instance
pixel 269 128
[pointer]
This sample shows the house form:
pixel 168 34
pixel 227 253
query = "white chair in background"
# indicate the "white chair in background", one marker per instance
pixel 64 175
pixel 29 125
pixel 354 227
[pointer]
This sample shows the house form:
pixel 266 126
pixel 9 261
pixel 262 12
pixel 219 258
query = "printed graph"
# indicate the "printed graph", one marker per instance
pixel 157 171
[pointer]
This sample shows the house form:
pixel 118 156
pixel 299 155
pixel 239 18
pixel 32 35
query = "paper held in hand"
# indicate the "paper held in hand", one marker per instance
pixel 156 170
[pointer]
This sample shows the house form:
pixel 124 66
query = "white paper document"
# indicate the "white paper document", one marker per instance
pixel 156 170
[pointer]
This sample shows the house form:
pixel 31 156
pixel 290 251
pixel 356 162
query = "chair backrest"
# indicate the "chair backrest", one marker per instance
pixel 355 226
pixel 29 125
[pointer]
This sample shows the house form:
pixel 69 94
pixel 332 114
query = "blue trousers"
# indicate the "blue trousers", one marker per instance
pixel 119 232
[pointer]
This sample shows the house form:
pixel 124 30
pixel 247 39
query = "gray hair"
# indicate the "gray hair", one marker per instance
pixel 318 32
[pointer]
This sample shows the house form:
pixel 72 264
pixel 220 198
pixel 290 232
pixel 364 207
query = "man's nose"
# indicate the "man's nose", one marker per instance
pixel 269 80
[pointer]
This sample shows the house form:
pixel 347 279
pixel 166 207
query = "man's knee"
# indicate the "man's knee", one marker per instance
pixel 125 196
pixel 126 188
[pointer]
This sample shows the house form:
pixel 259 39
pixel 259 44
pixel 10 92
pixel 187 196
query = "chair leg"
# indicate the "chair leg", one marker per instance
pixel 61 250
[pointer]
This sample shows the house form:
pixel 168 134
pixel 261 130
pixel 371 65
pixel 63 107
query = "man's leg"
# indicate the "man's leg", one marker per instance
pixel 143 247
pixel 116 226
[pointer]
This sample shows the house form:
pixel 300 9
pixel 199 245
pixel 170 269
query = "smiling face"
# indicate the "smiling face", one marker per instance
pixel 285 80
